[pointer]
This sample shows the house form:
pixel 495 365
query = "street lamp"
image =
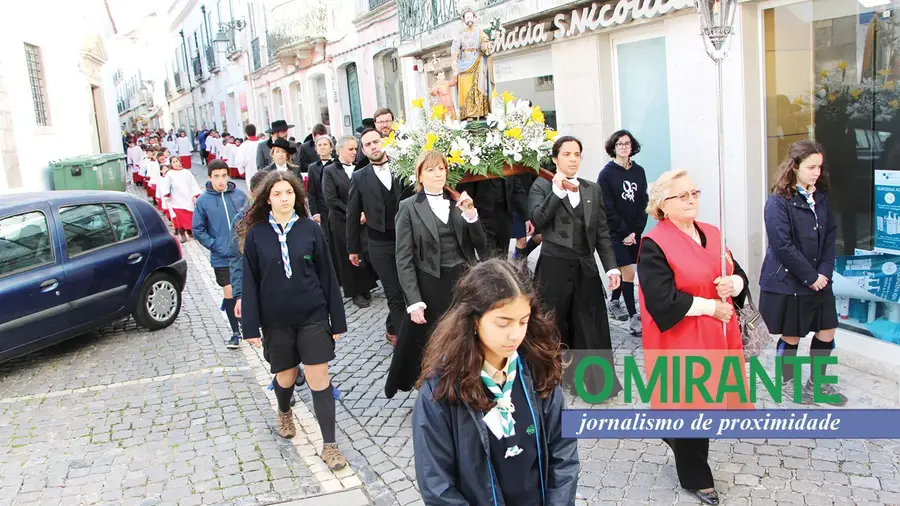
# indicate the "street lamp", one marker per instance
pixel 222 39
pixel 717 26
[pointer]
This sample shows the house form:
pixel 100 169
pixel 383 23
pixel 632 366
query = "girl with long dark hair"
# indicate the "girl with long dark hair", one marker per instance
pixel 487 424
pixel 290 290
pixel 796 295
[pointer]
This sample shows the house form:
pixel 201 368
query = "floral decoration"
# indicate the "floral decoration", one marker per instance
pixel 513 134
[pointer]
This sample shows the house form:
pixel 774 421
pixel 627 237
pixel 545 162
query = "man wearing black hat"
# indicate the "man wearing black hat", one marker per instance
pixel 279 130
pixel 361 159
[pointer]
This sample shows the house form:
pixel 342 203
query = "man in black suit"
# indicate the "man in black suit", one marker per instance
pixel 357 281
pixel 375 193
pixel 496 199
pixel 307 150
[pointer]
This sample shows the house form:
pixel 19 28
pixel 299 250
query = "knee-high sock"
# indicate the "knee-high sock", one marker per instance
pixel 628 295
pixel 284 396
pixel 323 405
pixel 530 246
pixel 786 349
pixel 818 350
pixel 232 320
pixel 617 293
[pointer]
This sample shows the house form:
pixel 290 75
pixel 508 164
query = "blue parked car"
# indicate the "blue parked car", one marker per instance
pixel 73 261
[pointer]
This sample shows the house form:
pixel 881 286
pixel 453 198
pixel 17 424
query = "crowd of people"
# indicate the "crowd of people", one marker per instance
pixel 487 344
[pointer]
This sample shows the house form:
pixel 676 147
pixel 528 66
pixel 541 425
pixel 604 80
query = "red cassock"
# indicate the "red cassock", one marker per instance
pixel 695 268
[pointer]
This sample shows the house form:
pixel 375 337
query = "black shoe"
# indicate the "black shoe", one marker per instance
pixel 367 295
pixel 234 343
pixel 301 378
pixel 361 302
pixel 707 497
pixel 810 391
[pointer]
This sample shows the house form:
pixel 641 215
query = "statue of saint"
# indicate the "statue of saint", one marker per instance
pixel 442 94
pixel 473 70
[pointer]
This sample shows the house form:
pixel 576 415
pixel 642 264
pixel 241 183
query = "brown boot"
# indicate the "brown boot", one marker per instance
pixel 332 457
pixel 286 427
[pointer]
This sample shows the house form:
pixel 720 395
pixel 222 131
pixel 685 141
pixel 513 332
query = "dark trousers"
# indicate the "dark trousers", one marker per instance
pixel 406 363
pixel 384 260
pixel 497 228
pixel 354 280
pixel 691 462
pixel 573 290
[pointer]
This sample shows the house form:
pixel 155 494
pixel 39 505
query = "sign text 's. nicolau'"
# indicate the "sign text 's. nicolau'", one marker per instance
pixel 583 19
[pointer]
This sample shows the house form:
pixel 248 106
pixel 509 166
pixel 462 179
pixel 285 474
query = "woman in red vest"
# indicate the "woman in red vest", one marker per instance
pixel 682 312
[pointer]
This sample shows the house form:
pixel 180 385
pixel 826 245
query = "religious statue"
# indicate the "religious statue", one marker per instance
pixel 473 69
pixel 441 91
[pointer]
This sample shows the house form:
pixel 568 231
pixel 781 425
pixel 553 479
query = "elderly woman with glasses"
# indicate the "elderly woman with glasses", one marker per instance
pixel 684 302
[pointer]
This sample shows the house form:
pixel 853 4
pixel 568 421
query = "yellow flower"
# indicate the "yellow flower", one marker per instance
pixel 832 97
pixel 889 85
pixel 515 133
pixel 455 158
pixel 438 112
pixel 430 139
pixel 391 140
pixel 884 72
pixel 494 93
pixel 537 115
pixel 842 65
pixel 894 104
pixel 855 93
pixel 551 134
pixel 418 103
pixel 824 74
pixel 508 97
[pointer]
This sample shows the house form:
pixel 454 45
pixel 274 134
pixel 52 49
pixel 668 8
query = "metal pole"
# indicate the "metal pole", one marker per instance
pixel 721 157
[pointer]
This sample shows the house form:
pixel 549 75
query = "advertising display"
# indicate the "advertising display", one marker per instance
pixel 867 289
pixel 887 211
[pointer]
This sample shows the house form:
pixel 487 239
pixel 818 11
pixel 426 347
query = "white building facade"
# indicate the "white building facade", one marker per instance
pixel 796 69
pixel 54 101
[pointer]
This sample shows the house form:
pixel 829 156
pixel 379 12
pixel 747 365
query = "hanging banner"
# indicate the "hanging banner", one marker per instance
pixel 887 211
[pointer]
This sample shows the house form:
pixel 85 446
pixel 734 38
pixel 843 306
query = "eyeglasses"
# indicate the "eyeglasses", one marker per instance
pixel 623 144
pixel 686 196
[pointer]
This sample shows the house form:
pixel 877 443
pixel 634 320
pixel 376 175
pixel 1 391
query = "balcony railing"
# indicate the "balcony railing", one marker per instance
pixel 231 48
pixel 374 4
pixel 420 16
pixel 211 63
pixel 178 85
pixel 167 88
pixel 198 67
pixel 254 54
pixel 300 20
pixel 271 47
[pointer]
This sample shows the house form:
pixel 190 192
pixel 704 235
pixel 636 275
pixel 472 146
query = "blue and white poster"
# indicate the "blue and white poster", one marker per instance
pixel 887 211
pixel 867 288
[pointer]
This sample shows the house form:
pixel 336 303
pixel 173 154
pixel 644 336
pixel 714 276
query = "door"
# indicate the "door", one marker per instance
pixel 353 92
pixel 33 289
pixel 106 254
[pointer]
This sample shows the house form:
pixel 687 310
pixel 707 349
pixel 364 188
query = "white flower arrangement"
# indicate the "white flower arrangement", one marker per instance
pixel 513 134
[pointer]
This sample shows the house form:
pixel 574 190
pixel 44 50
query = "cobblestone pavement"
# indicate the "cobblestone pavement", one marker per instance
pixel 126 416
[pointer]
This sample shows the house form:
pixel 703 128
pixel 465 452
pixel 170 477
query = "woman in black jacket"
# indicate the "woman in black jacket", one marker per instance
pixel 487 424
pixel 285 253
pixel 436 243
pixel 796 295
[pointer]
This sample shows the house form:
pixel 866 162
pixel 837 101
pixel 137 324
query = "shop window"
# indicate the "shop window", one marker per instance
pixel 539 90
pixel 832 73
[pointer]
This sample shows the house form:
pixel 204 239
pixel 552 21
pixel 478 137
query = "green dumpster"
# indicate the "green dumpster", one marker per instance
pixel 90 172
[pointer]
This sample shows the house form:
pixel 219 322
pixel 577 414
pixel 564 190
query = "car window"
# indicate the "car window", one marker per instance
pixel 122 222
pixel 86 227
pixel 24 242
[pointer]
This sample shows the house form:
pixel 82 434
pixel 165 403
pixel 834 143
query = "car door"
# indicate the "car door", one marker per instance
pixel 33 287
pixel 106 252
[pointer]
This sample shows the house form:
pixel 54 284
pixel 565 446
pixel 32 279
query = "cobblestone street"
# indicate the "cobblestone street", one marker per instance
pixel 125 416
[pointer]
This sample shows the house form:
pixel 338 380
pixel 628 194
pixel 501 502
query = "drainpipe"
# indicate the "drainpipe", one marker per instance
pixel 190 82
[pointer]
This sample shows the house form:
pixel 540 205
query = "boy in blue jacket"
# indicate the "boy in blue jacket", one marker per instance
pixel 215 215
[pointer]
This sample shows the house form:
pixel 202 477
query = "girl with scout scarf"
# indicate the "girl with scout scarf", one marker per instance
pixel 487 424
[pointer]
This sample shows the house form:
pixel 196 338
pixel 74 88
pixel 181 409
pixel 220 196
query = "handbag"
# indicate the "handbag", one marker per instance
pixel 754 332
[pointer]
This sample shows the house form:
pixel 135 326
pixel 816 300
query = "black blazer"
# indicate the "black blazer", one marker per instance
pixel 307 155
pixel 294 169
pixel 365 197
pixel 487 193
pixel 314 193
pixel 553 217
pixel 418 242
pixel 264 155
pixel 336 188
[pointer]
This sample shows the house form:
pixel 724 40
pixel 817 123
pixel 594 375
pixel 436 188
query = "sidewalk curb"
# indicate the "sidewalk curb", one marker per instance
pixel 352 497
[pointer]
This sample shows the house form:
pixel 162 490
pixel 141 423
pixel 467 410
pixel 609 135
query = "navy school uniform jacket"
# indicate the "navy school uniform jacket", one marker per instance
pixel 453 463
pixel 801 244
pixel 270 299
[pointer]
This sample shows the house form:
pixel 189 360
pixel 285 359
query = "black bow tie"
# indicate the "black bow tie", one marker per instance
pixel 347 165
pixel 434 194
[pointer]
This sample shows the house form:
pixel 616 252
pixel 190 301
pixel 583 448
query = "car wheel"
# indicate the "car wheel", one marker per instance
pixel 159 302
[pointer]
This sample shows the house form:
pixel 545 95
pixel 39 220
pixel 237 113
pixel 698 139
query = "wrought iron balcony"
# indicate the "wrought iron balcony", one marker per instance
pixel 178 85
pixel 300 20
pixel 271 48
pixel 198 67
pixel 420 16
pixel 374 4
pixel 211 63
pixel 254 54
